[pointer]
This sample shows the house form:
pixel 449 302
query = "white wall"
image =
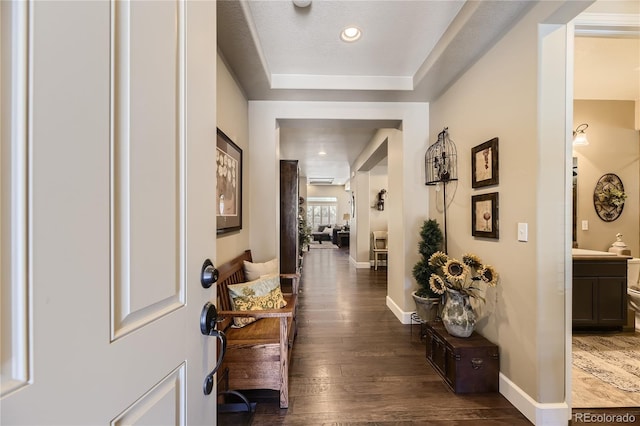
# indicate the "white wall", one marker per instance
pixel 233 119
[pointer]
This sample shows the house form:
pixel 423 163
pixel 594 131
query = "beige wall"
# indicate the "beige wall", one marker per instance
pixel 479 107
pixel 232 119
pixel 359 238
pixel 518 92
pixel 614 147
pixel 405 203
pixel 378 180
pixel 406 181
pixel 332 191
pixel 377 148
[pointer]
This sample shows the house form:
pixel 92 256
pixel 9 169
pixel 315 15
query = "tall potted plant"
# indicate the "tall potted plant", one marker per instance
pixel 426 299
pixel 304 234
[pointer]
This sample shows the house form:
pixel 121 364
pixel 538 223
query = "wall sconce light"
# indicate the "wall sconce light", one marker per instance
pixel 381 196
pixel 579 136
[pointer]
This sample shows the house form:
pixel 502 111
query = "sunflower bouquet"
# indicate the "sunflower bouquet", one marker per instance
pixel 466 276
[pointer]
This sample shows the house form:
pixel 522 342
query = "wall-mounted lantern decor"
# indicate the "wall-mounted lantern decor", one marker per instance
pixel 440 166
pixel 381 196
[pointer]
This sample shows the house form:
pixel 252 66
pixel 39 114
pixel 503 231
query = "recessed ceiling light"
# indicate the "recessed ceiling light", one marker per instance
pixel 322 153
pixel 350 34
pixel 302 3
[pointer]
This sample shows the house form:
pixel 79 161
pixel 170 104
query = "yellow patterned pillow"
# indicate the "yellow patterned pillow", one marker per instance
pixel 263 293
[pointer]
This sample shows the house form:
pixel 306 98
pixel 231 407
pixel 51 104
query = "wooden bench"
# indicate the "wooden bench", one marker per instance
pixel 258 354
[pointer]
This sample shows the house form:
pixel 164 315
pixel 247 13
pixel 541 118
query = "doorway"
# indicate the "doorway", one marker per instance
pixel 607 107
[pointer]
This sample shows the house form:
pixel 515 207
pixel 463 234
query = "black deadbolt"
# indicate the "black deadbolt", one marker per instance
pixel 209 274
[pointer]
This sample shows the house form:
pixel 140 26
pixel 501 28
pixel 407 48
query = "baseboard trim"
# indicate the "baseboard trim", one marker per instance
pixel 403 317
pixel 359 265
pixel 540 414
pixel 551 414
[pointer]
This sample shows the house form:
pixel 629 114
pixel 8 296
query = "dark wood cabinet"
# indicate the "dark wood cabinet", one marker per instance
pixel 343 238
pixel 289 201
pixel 467 365
pixel 599 292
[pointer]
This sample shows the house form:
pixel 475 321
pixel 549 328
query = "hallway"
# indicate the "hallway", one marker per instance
pixel 354 362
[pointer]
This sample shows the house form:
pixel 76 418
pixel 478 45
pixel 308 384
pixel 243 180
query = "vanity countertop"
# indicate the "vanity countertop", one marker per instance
pixel 584 254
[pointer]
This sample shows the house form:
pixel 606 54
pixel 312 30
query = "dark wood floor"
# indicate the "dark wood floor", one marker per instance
pixel 353 362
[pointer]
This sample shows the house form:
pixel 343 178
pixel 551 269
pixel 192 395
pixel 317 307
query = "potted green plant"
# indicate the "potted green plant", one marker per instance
pixel 304 234
pixel 426 299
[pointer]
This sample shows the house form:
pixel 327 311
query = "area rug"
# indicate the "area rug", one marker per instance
pixel 325 245
pixel 614 359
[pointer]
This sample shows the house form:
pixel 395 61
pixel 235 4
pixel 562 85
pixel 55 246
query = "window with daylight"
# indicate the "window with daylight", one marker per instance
pixel 321 211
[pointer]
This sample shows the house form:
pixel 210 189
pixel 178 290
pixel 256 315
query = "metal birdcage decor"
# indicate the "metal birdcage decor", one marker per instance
pixel 441 166
pixel 440 160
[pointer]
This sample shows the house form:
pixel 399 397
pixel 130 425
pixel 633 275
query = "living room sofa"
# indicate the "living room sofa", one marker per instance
pixel 325 233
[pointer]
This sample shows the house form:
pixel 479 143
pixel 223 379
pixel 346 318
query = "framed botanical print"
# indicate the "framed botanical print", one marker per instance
pixel 484 215
pixel 484 164
pixel 229 185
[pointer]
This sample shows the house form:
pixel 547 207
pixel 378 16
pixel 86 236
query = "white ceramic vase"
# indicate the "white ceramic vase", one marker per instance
pixel 458 316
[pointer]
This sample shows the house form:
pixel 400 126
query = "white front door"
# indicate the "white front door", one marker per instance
pixel 108 146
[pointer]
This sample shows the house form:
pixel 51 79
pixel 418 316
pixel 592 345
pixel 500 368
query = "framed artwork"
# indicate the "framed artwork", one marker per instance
pixel 229 185
pixel 484 215
pixel 484 164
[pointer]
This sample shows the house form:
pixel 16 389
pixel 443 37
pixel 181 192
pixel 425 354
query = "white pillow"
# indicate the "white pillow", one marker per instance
pixel 328 231
pixel 253 271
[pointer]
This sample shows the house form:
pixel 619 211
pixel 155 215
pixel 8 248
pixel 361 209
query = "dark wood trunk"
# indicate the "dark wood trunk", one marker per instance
pixel 467 365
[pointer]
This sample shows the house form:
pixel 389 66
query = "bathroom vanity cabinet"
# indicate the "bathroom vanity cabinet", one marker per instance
pixel 599 292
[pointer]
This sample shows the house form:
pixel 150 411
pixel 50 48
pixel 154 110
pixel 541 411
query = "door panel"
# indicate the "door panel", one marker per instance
pixel 147 162
pixel 584 301
pixel 119 156
pixel 612 301
pixel 164 401
pixel 14 307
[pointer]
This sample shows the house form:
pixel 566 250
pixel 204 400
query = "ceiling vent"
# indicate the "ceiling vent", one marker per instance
pixel 320 181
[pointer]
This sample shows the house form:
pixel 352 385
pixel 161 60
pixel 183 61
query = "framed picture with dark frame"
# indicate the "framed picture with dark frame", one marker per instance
pixel 229 185
pixel 484 215
pixel 484 164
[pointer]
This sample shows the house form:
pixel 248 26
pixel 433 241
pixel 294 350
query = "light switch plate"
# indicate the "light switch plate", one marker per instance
pixel 585 225
pixel 523 232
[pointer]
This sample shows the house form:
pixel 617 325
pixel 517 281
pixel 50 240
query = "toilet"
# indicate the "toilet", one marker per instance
pixel 633 288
